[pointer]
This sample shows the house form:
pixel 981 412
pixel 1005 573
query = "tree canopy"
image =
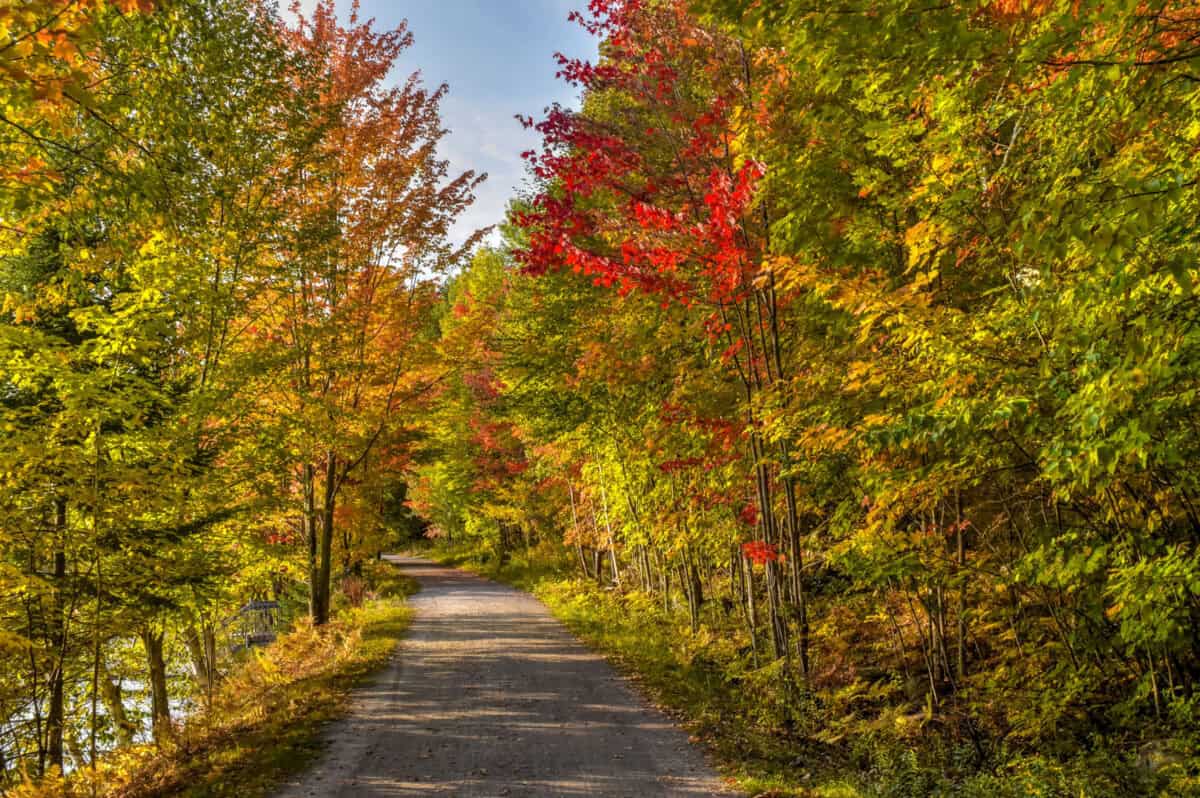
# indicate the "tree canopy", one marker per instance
pixel 858 338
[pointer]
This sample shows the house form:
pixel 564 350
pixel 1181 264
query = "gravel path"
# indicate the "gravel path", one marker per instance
pixel 489 695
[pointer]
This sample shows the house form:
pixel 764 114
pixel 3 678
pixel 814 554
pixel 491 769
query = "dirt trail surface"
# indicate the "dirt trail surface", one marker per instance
pixel 489 695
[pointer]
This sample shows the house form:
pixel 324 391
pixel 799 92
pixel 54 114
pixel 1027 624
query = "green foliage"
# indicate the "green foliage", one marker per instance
pixel 759 729
pixel 920 424
pixel 166 192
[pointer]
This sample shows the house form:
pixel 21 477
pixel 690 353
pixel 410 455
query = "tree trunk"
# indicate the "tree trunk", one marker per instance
pixel 502 552
pixel 746 572
pixel 693 588
pixel 779 644
pixel 575 529
pixel 325 568
pixel 612 543
pixel 665 570
pixel 110 692
pixel 961 545
pixel 54 715
pixel 688 586
pixel 768 532
pixel 583 565
pixel 160 710
pixel 200 646
pixel 797 565
pixel 308 486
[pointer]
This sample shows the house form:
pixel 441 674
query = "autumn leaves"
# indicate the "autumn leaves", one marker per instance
pixel 218 267
pixel 933 265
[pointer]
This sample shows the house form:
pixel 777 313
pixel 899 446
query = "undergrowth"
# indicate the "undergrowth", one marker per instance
pixel 774 742
pixel 265 718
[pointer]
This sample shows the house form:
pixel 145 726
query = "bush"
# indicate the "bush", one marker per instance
pixel 263 721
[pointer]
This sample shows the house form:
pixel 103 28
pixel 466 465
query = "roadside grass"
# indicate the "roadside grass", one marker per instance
pixel 677 672
pixel 767 742
pixel 680 675
pixel 265 719
pixel 522 570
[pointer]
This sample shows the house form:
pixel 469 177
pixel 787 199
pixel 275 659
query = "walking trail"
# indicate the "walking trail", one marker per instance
pixel 489 695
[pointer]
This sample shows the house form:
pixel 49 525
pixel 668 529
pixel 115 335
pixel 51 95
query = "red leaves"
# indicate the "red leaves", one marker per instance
pixel 733 349
pixel 499 454
pixel 581 73
pixel 955 528
pixel 680 464
pixel 624 204
pixel 717 436
pixel 759 552
pixel 483 385
pixel 135 6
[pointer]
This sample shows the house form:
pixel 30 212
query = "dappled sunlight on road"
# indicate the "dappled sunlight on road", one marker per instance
pixel 490 696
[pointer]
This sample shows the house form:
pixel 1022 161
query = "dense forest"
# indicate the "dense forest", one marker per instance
pixel 849 348
pixel 219 242
pixel 864 335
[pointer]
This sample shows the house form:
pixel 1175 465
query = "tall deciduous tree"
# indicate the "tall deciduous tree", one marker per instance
pixel 368 229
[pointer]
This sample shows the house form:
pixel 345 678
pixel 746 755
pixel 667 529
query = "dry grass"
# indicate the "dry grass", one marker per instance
pixel 264 721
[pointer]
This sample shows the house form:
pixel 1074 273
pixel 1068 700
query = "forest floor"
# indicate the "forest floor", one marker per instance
pixel 489 695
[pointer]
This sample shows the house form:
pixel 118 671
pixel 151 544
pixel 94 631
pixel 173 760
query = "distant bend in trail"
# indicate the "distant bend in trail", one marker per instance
pixel 490 696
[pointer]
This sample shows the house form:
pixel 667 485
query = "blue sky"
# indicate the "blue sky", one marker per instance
pixel 497 56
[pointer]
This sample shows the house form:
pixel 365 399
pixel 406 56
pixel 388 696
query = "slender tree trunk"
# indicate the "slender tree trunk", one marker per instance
pixel 325 565
pixel 665 569
pixel 209 636
pixel 768 531
pixel 691 591
pixel 799 595
pixel 779 646
pixel 647 570
pixel 55 713
pixel 114 705
pixel 97 646
pixel 160 710
pixel 746 571
pixel 597 553
pixel 35 695
pixel 960 543
pixel 695 589
pixel 583 565
pixel 502 554
pixel 202 666
pixel 309 488
pixel 612 543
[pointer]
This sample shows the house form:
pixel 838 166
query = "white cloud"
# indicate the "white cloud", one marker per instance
pixel 486 140
pixel 494 73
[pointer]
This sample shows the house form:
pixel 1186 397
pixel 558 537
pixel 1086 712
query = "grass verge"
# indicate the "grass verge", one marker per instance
pixel 265 719
pixel 767 743
pixel 641 640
